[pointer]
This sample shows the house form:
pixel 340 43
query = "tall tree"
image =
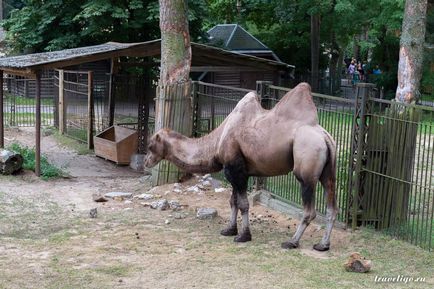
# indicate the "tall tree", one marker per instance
pixel 173 106
pixel 411 51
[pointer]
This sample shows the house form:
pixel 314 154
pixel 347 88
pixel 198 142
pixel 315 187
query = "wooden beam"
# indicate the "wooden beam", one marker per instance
pixel 223 68
pixel 90 110
pixel 38 126
pixel 2 132
pixel 20 72
pixel 111 101
pixel 62 123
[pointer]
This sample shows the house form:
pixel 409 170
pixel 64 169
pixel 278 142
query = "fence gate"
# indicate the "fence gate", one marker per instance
pixel 76 105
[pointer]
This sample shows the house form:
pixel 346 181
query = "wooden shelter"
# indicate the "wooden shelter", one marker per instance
pixel 205 59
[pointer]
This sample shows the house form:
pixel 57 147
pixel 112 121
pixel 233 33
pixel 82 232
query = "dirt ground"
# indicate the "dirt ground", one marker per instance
pixel 48 240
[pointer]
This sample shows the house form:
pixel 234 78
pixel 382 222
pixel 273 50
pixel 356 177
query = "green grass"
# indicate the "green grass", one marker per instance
pixel 26 118
pixel 79 147
pixel 48 171
pixel 20 100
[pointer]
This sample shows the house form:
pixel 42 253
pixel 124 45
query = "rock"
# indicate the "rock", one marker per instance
pixel 219 190
pixel 177 186
pixel 357 263
pixel 10 162
pixel 145 179
pixel 174 205
pixel 160 205
pixel 144 196
pixel 137 162
pixel 206 213
pixel 179 216
pixel 93 213
pixel 178 191
pixel 99 198
pixel 118 194
pixel 127 202
pixel 194 189
pixel 206 183
pixel 167 222
pixel 206 176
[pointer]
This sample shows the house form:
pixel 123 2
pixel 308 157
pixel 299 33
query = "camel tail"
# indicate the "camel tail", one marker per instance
pixel 329 171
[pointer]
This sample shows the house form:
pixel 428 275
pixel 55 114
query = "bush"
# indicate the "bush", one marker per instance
pixel 48 170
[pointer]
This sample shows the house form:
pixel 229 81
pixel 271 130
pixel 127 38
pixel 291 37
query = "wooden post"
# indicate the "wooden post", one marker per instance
pixel 38 125
pixel 90 110
pixel 62 125
pixel 2 132
pixel 111 104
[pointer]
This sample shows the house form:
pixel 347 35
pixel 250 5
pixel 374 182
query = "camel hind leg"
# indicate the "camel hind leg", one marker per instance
pixel 328 181
pixel 309 213
pixel 310 157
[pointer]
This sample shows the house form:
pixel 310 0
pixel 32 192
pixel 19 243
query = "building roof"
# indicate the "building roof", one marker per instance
pixel 202 56
pixel 235 38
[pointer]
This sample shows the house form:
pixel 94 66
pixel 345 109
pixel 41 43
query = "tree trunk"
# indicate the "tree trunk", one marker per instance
pixel 314 42
pixel 10 162
pixel 411 51
pixel 173 104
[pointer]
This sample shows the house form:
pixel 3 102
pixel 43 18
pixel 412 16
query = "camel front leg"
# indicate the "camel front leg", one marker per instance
pixel 235 173
pixel 308 196
pixel 232 230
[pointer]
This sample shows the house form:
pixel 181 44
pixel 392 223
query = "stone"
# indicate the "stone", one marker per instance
pixel 206 183
pixel 206 213
pixel 118 194
pixel 179 216
pixel 160 205
pixel 174 205
pixel 145 179
pixel 206 176
pixel 127 202
pixel 219 190
pixel 357 263
pixel 93 213
pixel 144 196
pixel 178 191
pixel 167 222
pixel 99 198
pixel 194 189
pixel 137 162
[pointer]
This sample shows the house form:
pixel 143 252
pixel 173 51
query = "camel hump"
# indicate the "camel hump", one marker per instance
pixel 249 103
pixel 298 104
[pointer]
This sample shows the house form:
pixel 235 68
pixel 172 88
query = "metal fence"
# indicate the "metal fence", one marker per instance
pixel 19 109
pixel 385 167
pixel 75 105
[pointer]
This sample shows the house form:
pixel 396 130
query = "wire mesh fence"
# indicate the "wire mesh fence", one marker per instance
pixel 19 102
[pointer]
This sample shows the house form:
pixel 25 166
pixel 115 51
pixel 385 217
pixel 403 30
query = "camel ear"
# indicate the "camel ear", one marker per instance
pixel 158 138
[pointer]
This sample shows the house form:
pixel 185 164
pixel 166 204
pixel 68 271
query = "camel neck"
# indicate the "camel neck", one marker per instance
pixel 194 155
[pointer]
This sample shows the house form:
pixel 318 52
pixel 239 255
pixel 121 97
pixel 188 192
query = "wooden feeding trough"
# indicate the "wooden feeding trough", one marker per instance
pixel 117 144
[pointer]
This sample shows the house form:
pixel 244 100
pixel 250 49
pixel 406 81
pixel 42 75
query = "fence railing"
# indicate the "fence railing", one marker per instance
pixel 19 106
pixel 385 157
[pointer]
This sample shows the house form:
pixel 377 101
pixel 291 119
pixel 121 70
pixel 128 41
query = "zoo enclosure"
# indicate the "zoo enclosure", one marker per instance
pixel 385 159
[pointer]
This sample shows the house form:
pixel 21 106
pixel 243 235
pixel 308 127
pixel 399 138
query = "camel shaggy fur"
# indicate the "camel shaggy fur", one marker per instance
pixel 253 141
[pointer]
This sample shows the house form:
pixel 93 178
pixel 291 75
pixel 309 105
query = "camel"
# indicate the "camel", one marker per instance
pixel 253 141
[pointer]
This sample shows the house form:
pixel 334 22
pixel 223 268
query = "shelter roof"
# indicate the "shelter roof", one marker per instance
pixel 202 55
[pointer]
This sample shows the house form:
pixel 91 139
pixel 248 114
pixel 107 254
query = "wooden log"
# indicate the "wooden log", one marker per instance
pixel 10 162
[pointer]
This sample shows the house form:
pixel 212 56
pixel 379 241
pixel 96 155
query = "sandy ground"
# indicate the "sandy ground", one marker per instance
pixel 48 240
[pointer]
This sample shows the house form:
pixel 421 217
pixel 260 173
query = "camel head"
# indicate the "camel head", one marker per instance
pixel 157 148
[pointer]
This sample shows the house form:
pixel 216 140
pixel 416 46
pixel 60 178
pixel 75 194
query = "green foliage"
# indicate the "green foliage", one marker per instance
pixel 48 170
pixel 87 22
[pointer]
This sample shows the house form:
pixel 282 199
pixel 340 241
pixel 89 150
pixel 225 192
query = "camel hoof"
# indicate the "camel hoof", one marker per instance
pixel 244 237
pixel 229 231
pixel 289 245
pixel 321 247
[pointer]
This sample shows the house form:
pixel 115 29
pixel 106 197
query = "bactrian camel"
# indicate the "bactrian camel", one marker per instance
pixel 253 141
